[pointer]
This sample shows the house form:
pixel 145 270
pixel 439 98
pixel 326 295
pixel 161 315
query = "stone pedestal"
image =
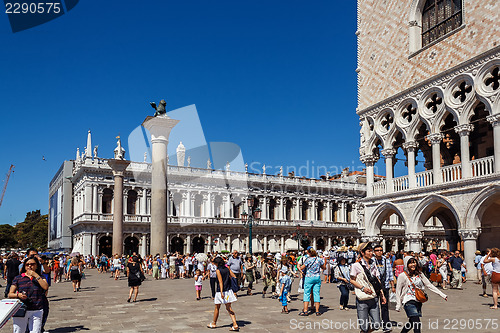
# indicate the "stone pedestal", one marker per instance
pixel 160 128
pixel 118 167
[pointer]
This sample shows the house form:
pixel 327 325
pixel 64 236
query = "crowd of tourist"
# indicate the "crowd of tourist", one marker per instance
pixel 375 279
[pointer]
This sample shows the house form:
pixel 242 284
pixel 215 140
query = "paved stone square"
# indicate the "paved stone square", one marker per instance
pixel 171 306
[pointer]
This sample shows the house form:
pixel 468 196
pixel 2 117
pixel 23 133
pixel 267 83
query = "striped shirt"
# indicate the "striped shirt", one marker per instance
pixel 33 290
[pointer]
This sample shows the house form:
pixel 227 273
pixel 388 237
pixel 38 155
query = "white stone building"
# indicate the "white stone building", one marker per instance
pixel 205 207
pixel 429 88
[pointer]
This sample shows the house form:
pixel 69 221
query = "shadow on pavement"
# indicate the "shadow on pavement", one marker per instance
pixel 70 329
pixel 147 299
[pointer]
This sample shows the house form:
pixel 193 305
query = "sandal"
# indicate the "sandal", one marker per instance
pixel 318 313
pixel 211 325
pixel 235 329
pixel 302 313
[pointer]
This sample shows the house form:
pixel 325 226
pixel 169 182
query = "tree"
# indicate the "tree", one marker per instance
pixel 33 231
pixel 7 236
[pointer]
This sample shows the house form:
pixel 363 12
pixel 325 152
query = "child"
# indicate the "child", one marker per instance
pixel 285 282
pixel 198 283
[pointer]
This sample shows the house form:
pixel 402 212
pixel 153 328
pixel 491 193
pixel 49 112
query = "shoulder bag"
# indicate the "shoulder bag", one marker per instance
pixel 420 295
pixel 363 281
pixel 349 285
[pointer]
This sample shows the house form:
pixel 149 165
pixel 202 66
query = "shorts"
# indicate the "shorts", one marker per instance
pixel 198 287
pixel 172 270
pixel 413 309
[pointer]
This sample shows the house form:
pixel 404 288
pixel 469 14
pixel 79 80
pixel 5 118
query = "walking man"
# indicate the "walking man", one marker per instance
pixel 455 265
pixel 234 263
pixel 387 279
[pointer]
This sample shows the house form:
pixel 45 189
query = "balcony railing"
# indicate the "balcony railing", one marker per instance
pixel 187 220
pixel 450 173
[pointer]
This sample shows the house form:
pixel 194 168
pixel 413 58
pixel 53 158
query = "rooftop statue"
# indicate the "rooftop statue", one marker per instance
pixel 160 109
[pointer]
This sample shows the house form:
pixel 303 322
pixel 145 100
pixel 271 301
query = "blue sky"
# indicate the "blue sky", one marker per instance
pixel 274 77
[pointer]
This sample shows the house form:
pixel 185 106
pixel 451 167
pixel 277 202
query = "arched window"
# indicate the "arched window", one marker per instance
pixel 440 17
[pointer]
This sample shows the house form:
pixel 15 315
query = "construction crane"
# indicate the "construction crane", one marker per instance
pixel 11 169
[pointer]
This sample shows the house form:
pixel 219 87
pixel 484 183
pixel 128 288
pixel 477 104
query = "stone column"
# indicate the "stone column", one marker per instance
pixel 144 198
pixel 314 242
pixel 94 197
pixel 389 168
pixel 414 240
pixel 188 243
pixel 495 122
pixel 210 243
pixel 470 247
pixel 94 245
pixel 88 198
pixel 144 244
pixel 435 140
pixel 297 210
pixel 159 127
pixel 118 167
pixel 228 243
pixel 87 244
pixel 265 243
pixel 341 211
pixel 411 148
pixel 369 161
pixel 281 213
pixel 329 243
pixel 282 245
pixel 312 207
pixel 464 131
pixel 265 208
pixel 328 213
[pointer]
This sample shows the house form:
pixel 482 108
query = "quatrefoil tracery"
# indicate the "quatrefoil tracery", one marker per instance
pixel 493 79
pixel 462 91
pixel 434 103
pixel 409 112
pixel 386 122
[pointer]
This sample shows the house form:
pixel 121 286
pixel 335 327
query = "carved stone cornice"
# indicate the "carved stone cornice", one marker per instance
pixel 464 130
pixel 469 234
pixel 410 145
pixel 494 119
pixel 388 152
pixel 414 236
pixel 368 159
pixel 435 138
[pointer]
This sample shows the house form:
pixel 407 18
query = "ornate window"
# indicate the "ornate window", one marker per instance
pixel 440 17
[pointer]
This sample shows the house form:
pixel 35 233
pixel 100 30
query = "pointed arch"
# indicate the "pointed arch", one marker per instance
pixel 380 214
pixel 426 207
pixel 478 206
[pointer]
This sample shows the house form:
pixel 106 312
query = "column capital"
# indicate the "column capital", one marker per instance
pixel 389 152
pixel 435 138
pixel 410 145
pixel 414 236
pixel 494 119
pixel 469 234
pixel 464 129
pixel 368 159
pixel 118 166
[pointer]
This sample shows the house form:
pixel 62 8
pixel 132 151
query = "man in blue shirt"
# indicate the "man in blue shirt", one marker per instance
pixel 387 279
pixel 234 263
pixel 455 264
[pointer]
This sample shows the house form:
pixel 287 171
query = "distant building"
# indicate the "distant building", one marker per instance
pixel 204 209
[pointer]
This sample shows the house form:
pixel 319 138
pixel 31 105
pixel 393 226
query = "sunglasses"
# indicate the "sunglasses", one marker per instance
pixel 31 264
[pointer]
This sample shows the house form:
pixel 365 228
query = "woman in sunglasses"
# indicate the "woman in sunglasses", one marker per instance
pixel 29 287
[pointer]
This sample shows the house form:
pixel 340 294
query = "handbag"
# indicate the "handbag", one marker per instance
pixel 495 278
pixel 258 276
pixel 420 295
pixel 436 277
pixel 234 285
pixel 349 285
pixel 363 281
pixel 21 312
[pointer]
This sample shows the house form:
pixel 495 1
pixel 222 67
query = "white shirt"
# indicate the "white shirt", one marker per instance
pixel 117 263
pixel 488 267
pixel 496 266
pixel 198 281
pixel 410 292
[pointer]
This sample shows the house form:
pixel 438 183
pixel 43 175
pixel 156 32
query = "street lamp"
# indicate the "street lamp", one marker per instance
pixel 251 219
pixel 298 236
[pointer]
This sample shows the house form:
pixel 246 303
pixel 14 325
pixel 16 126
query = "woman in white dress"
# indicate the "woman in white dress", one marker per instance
pixel 494 257
pixel 442 267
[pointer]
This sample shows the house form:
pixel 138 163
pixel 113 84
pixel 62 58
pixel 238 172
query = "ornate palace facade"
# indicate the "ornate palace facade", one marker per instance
pixel 429 90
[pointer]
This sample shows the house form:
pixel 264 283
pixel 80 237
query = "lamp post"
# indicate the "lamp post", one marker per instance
pixel 251 219
pixel 298 236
